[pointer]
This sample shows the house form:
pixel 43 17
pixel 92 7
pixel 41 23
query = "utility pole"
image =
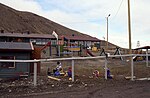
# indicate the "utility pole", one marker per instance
pixel 130 48
pixel 107 31
pixel 129 28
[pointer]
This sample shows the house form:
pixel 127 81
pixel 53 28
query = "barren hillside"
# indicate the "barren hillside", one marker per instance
pixel 18 22
pixel 15 21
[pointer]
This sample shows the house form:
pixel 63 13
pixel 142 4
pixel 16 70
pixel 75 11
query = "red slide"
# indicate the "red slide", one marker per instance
pixel 90 53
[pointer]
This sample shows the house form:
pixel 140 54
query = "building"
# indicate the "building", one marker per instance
pixel 27 46
pixel 15 51
pixel 38 40
pixel 41 40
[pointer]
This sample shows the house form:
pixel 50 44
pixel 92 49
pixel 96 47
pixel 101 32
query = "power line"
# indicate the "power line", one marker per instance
pixel 118 9
pixel 76 22
pixel 92 19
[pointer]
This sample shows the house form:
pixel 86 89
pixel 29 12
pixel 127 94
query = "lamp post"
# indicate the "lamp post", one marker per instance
pixel 107 31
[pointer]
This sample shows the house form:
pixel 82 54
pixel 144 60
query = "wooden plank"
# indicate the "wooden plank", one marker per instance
pixel 54 78
pixel 74 49
pixel 129 77
pixel 143 79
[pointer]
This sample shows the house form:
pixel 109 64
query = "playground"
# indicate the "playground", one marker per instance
pixel 86 85
pixel 55 78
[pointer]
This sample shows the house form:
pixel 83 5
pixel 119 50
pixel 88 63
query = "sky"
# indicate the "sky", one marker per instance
pixel 89 17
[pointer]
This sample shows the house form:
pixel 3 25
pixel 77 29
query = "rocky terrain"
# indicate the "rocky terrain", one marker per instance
pixel 85 86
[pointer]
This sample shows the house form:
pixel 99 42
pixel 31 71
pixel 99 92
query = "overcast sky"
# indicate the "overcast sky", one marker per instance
pixel 89 17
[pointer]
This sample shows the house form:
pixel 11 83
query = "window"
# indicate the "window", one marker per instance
pixel 7 64
pixel 33 40
pixel 43 41
pixel 38 41
pixel 53 42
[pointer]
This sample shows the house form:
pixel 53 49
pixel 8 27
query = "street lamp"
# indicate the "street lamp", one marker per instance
pixel 107 31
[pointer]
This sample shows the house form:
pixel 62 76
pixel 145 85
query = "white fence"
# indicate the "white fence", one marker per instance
pixel 79 58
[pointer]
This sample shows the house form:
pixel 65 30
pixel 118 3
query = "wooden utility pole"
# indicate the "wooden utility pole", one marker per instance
pixel 129 28
pixel 130 48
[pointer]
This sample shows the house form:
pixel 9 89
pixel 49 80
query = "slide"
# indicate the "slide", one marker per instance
pixel 138 58
pixel 90 53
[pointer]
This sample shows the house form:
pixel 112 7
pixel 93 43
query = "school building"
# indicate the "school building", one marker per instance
pixel 27 46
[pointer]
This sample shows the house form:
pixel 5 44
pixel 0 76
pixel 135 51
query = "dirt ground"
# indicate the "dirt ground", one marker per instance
pixel 86 85
pixel 109 89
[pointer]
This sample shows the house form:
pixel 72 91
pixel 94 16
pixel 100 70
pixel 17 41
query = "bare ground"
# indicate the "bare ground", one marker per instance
pixel 85 85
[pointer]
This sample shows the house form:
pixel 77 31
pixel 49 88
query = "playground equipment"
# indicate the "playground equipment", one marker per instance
pixel 88 52
pixel 45 46
pixel 117 52
pixel 74 48
pixel 94 49
pixel 140 52
pixel 103 53
pixel 48 44
pixel 70 49
pixel 138 58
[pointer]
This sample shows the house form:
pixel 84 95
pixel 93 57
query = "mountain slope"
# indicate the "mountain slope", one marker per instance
pixel 18 22
pixel 15 21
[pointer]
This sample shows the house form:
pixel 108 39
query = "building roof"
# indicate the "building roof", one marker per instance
pixel 145 47
pixel 82 38
pixel 26 35
pixel 16 46
pixel 49 36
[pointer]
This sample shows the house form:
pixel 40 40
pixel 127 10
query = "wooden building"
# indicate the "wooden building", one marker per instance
pixel 38 40
pixel 15 51
pixel 27 46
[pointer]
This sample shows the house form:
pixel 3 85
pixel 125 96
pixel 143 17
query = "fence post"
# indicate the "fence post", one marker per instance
pixel 72 70
pixel 132 69
pixel 35 74
pixel 147 57
pixel 106 68
pixel 59 50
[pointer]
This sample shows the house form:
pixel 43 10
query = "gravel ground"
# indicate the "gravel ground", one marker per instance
pixel 85 85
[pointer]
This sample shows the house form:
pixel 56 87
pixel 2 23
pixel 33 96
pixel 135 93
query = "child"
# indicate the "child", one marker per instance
pixel 69 72
pixel 48 71
pixel 57 69
pixel 96 73
pixel 108 74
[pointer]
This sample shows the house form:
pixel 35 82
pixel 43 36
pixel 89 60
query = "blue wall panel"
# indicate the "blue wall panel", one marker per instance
pixel 19 67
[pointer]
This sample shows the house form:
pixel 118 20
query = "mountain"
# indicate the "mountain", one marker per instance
pixel 15 21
